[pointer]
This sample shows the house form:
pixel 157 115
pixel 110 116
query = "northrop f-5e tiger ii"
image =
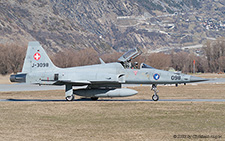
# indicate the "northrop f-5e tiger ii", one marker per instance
pixel 101 80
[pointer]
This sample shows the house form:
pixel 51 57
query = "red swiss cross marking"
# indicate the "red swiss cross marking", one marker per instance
pixel 37 56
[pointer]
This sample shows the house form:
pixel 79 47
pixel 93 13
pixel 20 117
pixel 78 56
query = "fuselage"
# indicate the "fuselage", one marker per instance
pixel 109 73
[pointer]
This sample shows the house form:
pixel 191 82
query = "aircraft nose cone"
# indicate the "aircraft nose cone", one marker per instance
pixel 197 79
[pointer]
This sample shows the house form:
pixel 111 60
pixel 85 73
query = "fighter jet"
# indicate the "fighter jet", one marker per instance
pixel 100 80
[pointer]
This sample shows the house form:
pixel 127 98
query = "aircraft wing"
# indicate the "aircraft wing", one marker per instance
pixel 74 83
pixel 92 84
pixel 102 79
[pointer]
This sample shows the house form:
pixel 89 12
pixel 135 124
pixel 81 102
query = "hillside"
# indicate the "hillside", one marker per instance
pixel 108 25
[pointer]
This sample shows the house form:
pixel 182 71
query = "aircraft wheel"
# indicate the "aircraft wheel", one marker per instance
pixel 94 98
pixel 70 98
pixel 155 97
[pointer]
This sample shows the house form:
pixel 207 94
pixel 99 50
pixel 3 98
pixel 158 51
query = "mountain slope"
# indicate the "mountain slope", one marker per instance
pixel 105 25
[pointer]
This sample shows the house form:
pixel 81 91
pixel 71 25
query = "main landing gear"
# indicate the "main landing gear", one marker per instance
pixel 69 92
pixel 155 97
pixel 70 98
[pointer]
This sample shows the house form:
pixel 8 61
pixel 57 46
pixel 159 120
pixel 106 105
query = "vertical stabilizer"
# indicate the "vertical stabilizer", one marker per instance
pixel 36 59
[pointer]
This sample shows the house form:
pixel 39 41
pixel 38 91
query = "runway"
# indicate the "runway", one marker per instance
pixel 115 100
pixel 27 87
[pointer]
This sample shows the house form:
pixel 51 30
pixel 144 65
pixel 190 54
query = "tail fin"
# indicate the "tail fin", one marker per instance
pixel 36 59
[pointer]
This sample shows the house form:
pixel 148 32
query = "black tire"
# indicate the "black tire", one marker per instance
pixel 70 98
pixel 94 98
pixel 155 97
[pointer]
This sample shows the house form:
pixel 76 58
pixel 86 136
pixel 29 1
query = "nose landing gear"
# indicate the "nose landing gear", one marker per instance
pixel 155 97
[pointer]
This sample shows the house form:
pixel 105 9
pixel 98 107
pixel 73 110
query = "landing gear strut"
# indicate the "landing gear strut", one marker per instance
pixel 155 97
pixel 69 92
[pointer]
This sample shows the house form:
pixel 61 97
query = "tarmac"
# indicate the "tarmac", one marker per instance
pixel 27 87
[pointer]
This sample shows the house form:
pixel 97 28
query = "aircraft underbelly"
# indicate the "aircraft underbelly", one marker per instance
pixel 121 92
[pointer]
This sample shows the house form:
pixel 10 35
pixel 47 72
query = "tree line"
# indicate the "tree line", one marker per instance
pixel 213 60
pixel 11 58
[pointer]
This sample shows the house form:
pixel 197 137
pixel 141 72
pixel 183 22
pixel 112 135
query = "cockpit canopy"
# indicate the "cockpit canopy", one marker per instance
pixel 126 58
pixel 131 54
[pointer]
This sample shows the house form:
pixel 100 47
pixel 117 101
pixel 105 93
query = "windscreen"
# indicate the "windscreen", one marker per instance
pixel 146 66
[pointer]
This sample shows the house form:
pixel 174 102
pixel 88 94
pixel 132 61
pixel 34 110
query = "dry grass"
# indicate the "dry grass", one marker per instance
pixel 114 120
pixel 4 79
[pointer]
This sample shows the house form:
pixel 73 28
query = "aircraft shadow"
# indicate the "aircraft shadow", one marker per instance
pixel 62 100
pixel 124 100
pixel 35 100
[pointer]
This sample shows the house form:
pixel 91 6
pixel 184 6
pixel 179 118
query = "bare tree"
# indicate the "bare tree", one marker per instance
pixel 86 57
pixel 11 58
pixel 180 61
pixel 221 62
pixel 112 57
pixel 158 60
pixel 72 58
pixel 215 51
